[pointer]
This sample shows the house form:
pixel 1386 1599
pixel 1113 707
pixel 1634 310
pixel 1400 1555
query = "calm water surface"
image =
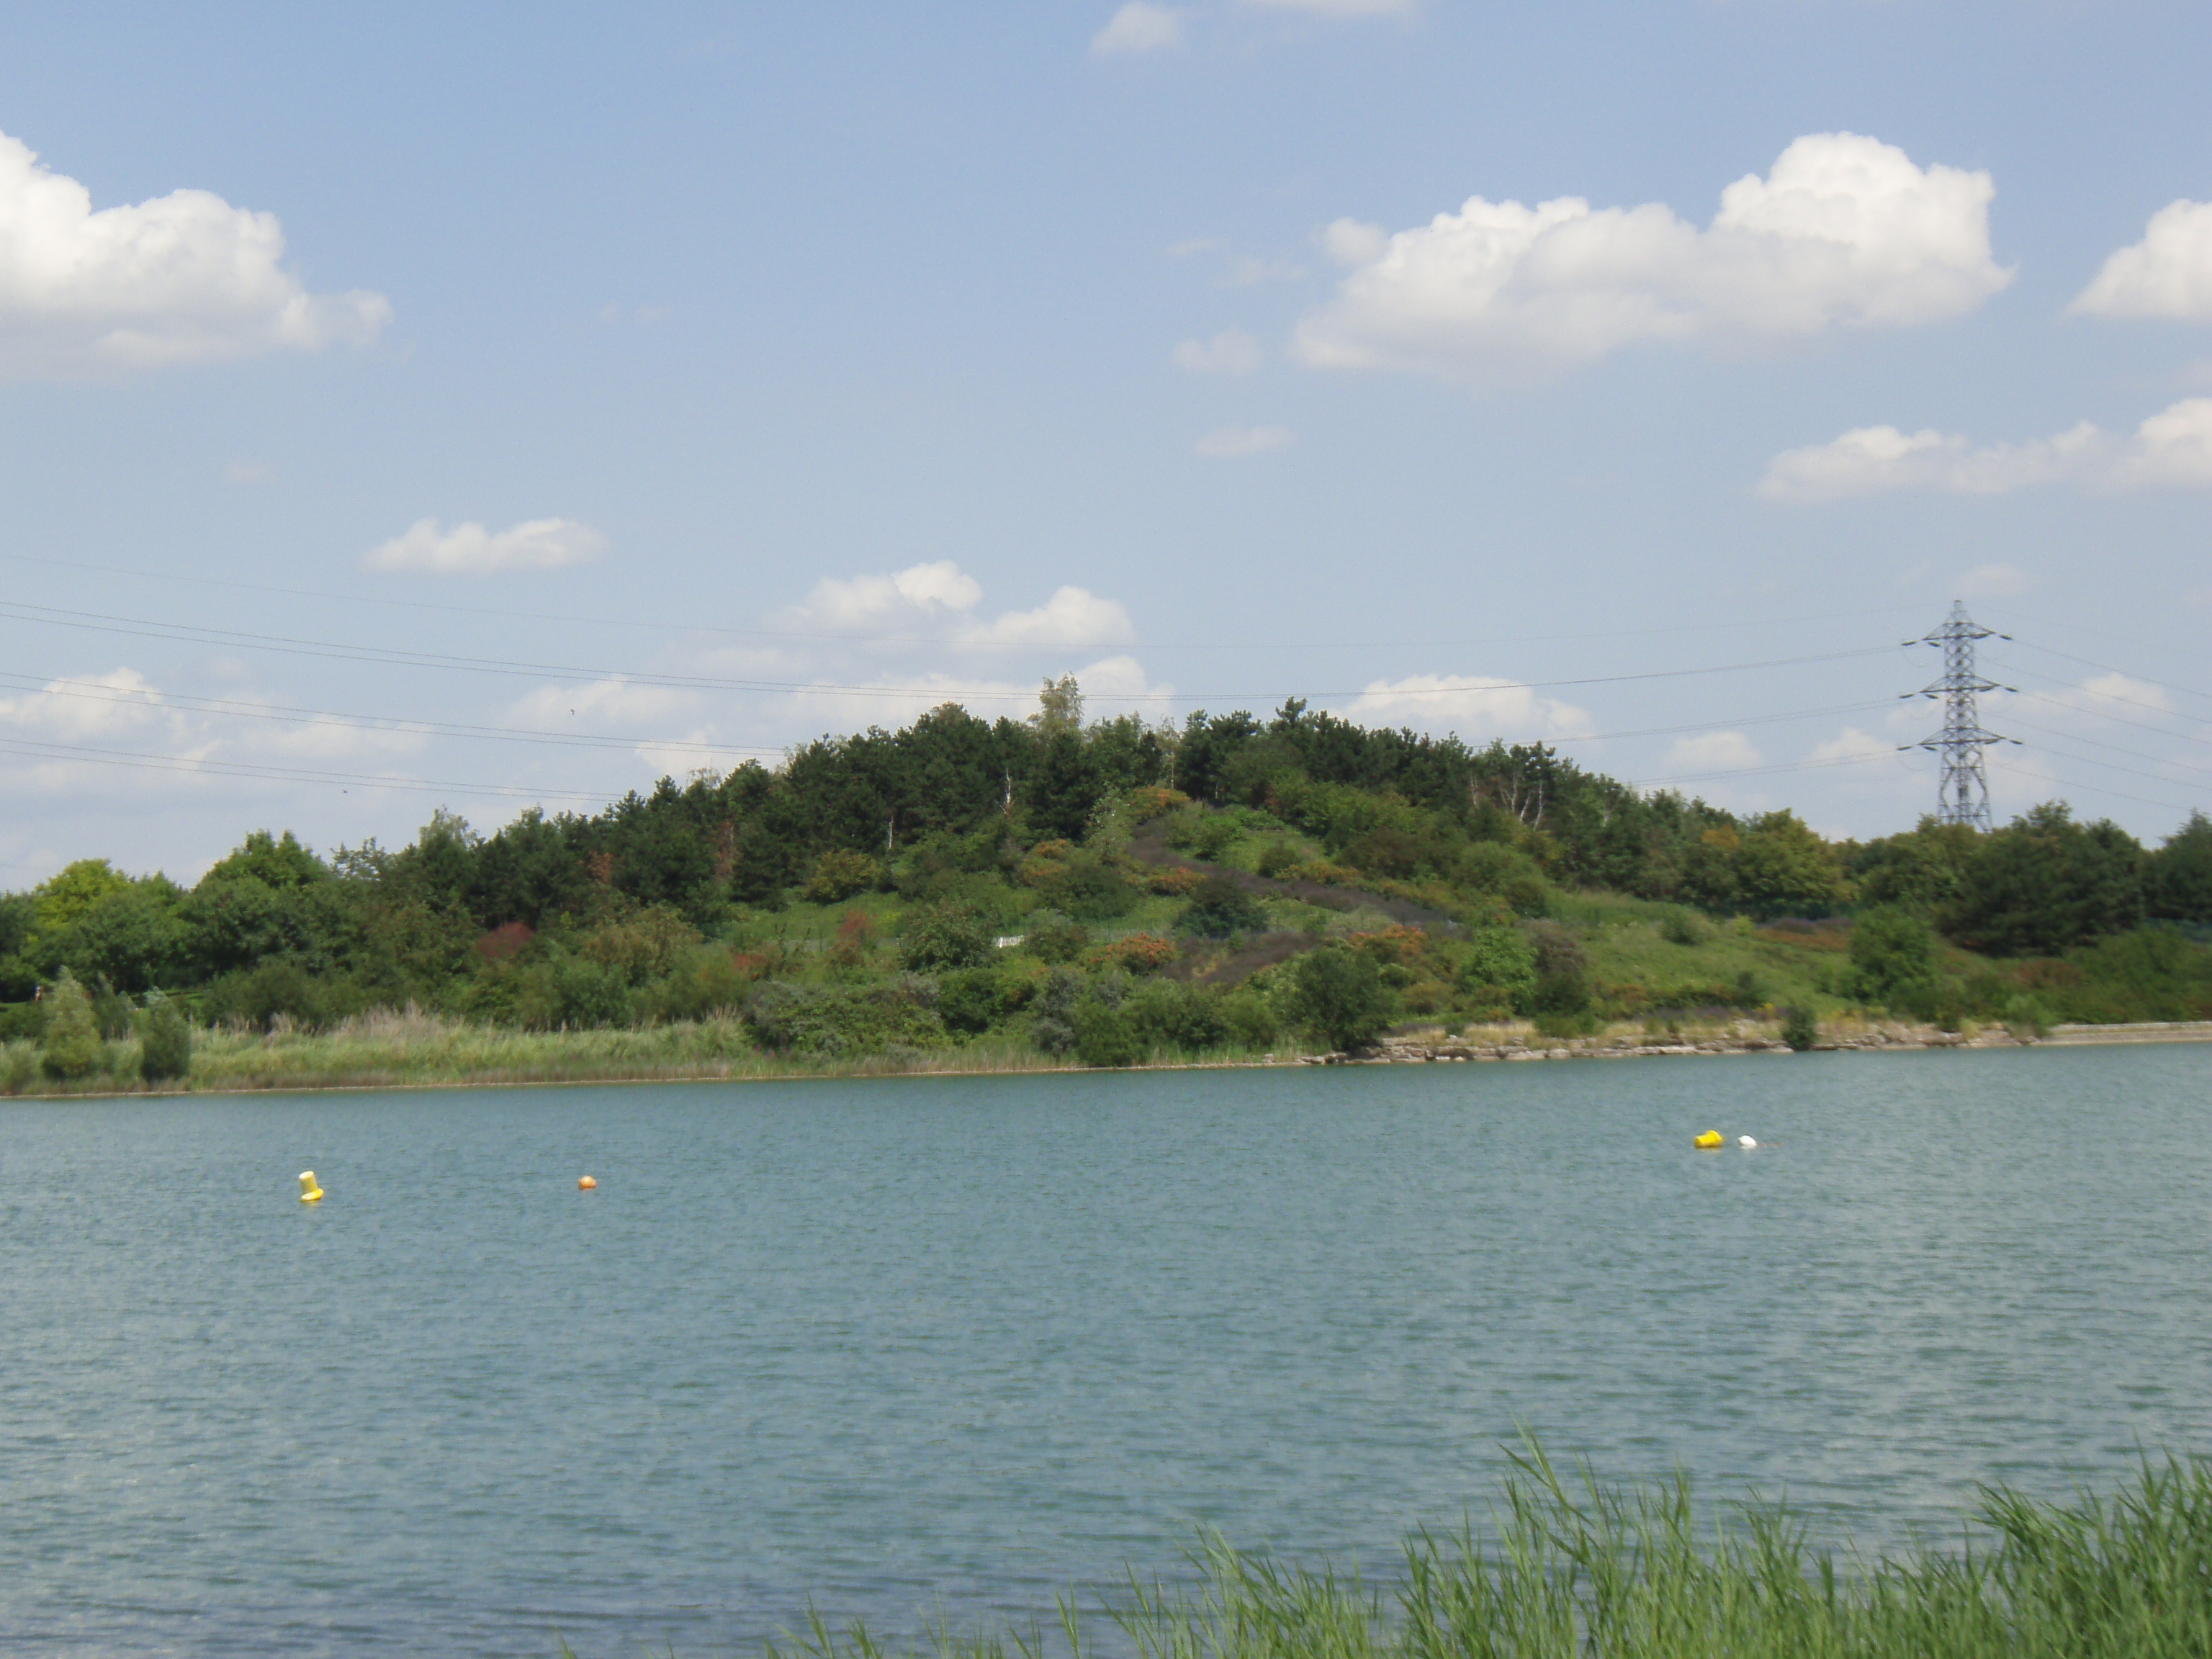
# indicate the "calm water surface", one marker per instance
pixel 922 1345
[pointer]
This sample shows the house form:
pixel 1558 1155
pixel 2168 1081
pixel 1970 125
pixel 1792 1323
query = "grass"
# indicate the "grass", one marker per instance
pixel 1571 1568
pixel 413 1049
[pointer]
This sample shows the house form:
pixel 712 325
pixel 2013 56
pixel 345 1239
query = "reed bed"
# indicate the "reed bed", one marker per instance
pixel 412 1047
pixel 1574 1569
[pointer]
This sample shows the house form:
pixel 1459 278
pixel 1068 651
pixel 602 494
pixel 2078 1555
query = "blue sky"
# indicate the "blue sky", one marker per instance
pixel 772 371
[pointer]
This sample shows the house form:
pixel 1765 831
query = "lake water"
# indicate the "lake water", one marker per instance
pixel 910 1345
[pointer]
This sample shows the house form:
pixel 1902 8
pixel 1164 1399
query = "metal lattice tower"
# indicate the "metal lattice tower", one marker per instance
pixel 1963 794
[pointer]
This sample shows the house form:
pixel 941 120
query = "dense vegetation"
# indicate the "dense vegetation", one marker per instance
pixel 1577 1570
pixel 1113 890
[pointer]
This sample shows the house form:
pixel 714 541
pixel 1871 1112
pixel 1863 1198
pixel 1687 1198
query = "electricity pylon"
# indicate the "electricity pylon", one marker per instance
pixel 1962 796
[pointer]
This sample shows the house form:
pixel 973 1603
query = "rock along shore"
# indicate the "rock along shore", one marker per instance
pixel 1747 1038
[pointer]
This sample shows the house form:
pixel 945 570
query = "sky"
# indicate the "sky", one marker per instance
pixel 416 406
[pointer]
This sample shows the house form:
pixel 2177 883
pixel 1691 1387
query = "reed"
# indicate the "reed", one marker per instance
pixel 1571 1568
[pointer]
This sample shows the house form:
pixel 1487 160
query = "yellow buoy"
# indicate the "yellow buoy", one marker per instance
pixel 585 1184
pixel 309 1193
pixel 1711 1141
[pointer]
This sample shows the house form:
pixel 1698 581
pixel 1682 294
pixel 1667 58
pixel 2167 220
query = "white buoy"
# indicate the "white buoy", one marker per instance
pixel 1745 1142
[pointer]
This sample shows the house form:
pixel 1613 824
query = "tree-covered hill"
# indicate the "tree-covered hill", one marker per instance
pixel 1112 887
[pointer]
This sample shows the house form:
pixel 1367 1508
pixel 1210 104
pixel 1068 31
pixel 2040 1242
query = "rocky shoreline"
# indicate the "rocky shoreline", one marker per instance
pixel 1744 1037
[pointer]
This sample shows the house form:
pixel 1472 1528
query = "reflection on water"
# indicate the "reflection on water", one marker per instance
pixel 905 1345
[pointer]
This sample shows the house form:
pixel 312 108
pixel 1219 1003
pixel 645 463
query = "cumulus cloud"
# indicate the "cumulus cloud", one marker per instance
pixel 935 600
pixel 1111 685
pixel 1845 231
pixel 96 705
pixel 1232 352
pixel 1139 27
pixel 1474 705
pixel 2173 449
pixel 1231 441
pixel 1341 8
pixel 2167 274
pixel 1995 581
pixel 1712 752
pixel 183 278
pixel 470 549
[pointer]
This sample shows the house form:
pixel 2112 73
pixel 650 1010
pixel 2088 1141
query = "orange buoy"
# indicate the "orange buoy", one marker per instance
pixel 586 1184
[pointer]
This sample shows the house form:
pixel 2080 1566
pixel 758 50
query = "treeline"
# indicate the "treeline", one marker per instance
pixel 665 905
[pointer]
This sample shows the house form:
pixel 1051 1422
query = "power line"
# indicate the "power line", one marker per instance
pixel 85 754
pixel 101 622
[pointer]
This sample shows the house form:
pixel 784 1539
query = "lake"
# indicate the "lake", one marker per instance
pixel 911 1346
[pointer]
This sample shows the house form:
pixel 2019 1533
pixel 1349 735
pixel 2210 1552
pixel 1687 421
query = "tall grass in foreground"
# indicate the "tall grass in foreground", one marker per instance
pixel 1583 1569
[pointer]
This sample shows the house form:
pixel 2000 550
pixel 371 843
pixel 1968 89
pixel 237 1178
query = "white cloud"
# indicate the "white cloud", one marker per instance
pixel 597 704
pixel 1342 7
pixel 1995 581
pixel 1138 28
pixel 1232 352
pixel 1843 232
pixel 1072 617
pixel 1474 705
pixel 183 278
pixel 1848 745
pixel 470 549
pixel 1111 685
pixel 95 705
pixel 935 600
pixel 2171 448
pixel 939 587
pixel 1235 440
pixel 1711 751
pixel 2167 274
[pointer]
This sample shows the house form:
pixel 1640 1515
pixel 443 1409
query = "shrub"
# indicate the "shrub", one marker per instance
pixel 1058 941
pixel 939 936
pixel 1138 953
pixel 1106 1036
pixel 1893 963
pixel 1499 973
pixel 1684 927
pixel 1277 856
pixel 1218 908
pixel 1250 1018
pixel 838 874
pixel 71 1048
pixel 855 941
pixel 971 1000
pixel 1176 884
pixel 164 1043
pixel 1799 1029
pixel 1165 1014
pixel 1052 1011
pixel 831 1020
pixel 1562 984
pixel 1340 997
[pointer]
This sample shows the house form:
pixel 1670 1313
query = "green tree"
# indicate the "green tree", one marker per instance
pixel 2045 883
pixel 1499 972
pixel 1218 906
pixel 131 936
pixel 1339 996
pixel 1781 867
pixel 1106 1035
pixel 1893 961
pixel 1562 984
pixel 2177 877
pixel 164 1043
pixel 71 1048
pixel 939 936
pixel 64 897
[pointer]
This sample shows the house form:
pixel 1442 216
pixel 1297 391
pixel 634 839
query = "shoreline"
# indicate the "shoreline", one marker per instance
pixel 1496 1045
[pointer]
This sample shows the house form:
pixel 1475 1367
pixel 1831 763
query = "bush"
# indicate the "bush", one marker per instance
pixel 1893 963
pixel 1218 909
pixel 1277 856
pixel 1799 1029
pixel 831 1021
pixel 1106 1035
pixel 1562 984
pixel 1052 1011
pixel 939 936
pixel 71 1048
pixel 1684 927
pixel 1138 953
pixel 164 1043
pixel 1499 973
pixel 838 874
pixel 1250 1018
pixel 1340 997
pixel 970 1000
pixel 1167 1015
